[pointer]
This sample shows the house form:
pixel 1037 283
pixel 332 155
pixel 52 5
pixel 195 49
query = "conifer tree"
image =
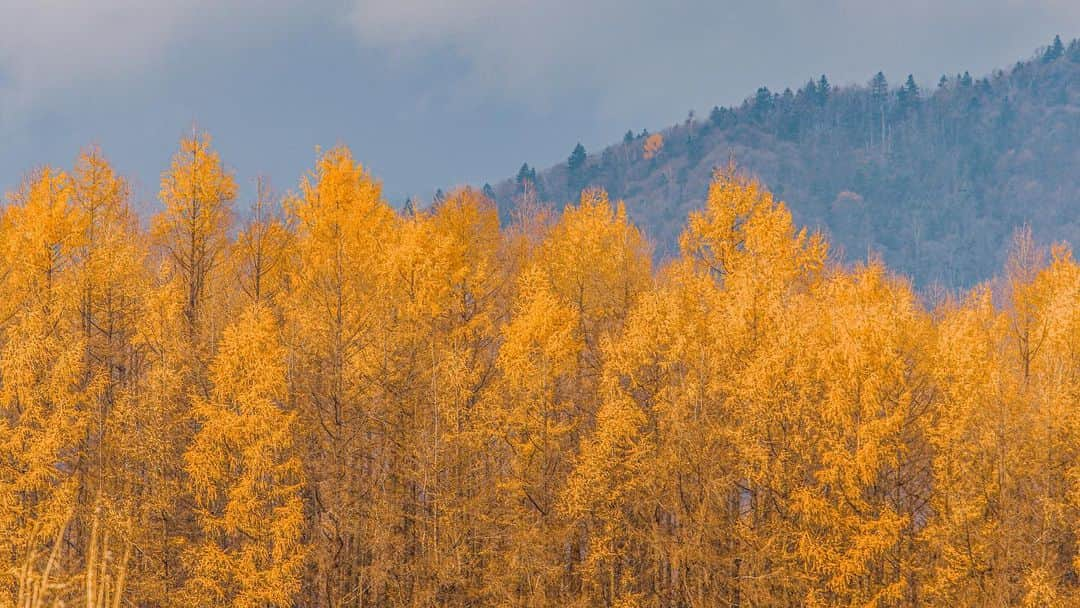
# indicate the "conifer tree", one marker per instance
pixel 197 193
pixel 575 167
pixel 879 96
pixel 109 266
pixel 43 418
pixel 443 329
pixel 1055 51
pixel 573 295
pixel 908 95
pixel 261 253
pixel 823 90
pixel 336 312
pixel 245 474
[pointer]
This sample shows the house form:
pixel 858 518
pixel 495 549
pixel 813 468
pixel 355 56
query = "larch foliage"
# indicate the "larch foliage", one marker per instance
pixel 858 522
pixel 572 296
pixel 42 416
pixel 246 475
pixel 262 252
pixel 441 338
pixel 336 312
pixel 157 420
pixel 604 496
pixel 109 264
pixel 197 193
pixel 654 144
pixel 742 233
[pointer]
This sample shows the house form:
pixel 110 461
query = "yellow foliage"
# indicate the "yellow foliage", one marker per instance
pixel 653 145
pixel 245 475
pixel 197 193
pixel 340 405
pixel 42 417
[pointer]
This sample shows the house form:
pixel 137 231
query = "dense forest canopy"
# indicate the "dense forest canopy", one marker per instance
pixel 932 176
pixel 334 404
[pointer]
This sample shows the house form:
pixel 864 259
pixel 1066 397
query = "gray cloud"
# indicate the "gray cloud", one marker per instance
pixel 58 48
pixel 535 52
pixel 635 56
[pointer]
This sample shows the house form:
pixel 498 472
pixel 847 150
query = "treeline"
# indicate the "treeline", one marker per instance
pixel 933 175
pixel 332 404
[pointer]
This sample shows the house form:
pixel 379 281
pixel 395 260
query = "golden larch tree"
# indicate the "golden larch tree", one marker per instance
pixel 348 416
pixel 109 264
pixel 245 474
pixel 43 418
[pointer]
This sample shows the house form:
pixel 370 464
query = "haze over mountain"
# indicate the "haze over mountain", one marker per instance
pixel 934 177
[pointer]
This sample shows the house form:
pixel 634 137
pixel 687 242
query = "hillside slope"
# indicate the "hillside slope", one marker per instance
pixel 932 178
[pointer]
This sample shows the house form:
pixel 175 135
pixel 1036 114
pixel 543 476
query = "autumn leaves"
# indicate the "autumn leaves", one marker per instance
pixel 334 404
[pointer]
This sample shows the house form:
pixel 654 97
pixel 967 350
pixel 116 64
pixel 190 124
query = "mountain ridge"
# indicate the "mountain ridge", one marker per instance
pixel 934 180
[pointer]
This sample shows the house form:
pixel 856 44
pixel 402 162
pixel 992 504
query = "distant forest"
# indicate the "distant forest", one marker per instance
pixel 933 177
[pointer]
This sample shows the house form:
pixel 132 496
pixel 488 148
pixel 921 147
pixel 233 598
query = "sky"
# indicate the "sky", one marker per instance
pixel 431 93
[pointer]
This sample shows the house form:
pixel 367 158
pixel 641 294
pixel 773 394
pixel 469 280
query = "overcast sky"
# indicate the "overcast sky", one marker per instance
pixel 430 93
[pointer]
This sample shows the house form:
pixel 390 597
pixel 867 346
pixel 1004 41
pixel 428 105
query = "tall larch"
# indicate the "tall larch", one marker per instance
pixel 573 295
pixel 246 475
pixel 43 417
pixel 109 264
pixel 349 417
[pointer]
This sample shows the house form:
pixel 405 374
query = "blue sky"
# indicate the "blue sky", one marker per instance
pixel 431 93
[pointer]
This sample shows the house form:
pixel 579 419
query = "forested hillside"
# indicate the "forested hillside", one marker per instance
pixel 932 176
pixel 333 404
